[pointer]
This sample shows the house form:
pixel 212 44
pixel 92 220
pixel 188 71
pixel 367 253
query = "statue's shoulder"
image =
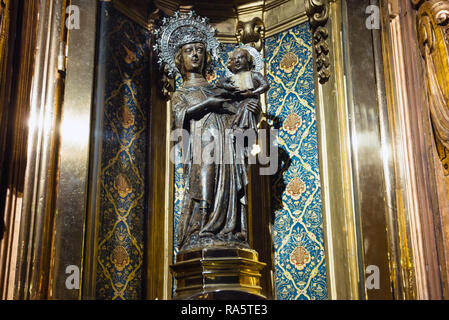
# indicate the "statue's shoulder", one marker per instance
pixel 257 74
pixel 259 78
pixel 183 93
pixel 210 88
pixel 178 96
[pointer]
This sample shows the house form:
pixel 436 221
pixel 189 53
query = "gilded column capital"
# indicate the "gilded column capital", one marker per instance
pixel 318 12
pixel 251 32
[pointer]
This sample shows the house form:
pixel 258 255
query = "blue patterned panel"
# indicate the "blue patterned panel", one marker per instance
pixel 124 59
pixel 298 233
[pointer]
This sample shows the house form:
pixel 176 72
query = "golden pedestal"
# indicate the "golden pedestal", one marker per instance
pixel 218 273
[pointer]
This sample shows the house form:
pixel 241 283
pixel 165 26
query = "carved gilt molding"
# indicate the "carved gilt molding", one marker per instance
pixel 251 32
pixel 433 35
pixel 138 11
pixel 318 13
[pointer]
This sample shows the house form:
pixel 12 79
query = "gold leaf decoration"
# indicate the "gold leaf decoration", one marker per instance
pixel 300 257
pixel 296 188
pixel 122 185
pixel 126 117
pixel 120 258
pixel 130 55
pixel 292 123
pixel 289 62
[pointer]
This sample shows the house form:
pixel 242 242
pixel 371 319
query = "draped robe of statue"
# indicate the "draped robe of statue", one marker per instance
pixel 221 184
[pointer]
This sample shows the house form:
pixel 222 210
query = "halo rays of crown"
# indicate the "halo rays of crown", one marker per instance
pixel 181 29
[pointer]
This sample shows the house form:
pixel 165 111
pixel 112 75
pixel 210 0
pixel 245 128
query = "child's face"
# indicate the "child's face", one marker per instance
pixel 239 61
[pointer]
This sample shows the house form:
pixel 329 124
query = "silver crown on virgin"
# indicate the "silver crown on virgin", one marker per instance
pixel 179 30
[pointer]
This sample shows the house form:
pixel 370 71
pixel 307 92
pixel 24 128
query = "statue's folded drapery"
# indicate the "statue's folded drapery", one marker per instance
pixel 214 210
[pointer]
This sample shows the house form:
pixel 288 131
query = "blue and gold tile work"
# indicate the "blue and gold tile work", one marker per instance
pixel 124 57
pixel 297 233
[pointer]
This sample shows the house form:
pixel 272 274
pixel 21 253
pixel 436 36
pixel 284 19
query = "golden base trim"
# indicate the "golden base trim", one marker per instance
pixel 217 269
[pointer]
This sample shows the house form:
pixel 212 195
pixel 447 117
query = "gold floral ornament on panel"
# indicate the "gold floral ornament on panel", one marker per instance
pixel 130 56
pixel 121 234
pixel 292 123
pixel 289 62
pixel 300 257
pixel 211 76
pixel 122 185
pixel 296 188
pixel 126 117
pixel 120 258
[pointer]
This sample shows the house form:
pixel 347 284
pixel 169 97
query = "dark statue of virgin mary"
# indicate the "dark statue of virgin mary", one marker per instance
pixel 215 204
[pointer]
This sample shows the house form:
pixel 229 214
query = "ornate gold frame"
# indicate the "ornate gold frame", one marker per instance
pixel 415 224
pixel 344 233
pixel 342 247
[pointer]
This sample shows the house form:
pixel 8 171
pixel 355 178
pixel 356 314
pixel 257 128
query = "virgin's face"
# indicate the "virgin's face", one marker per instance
pixel 193 57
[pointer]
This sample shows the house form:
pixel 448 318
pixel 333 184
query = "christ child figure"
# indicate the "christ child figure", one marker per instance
pixel 245 84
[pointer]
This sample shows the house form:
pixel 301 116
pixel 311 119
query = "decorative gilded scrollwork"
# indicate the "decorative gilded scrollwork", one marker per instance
pixel 166 83
pixel 2 9
pixel 433 36
pixel 251 32
pixel 417 3
pixel 3 30
pixel 318 13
